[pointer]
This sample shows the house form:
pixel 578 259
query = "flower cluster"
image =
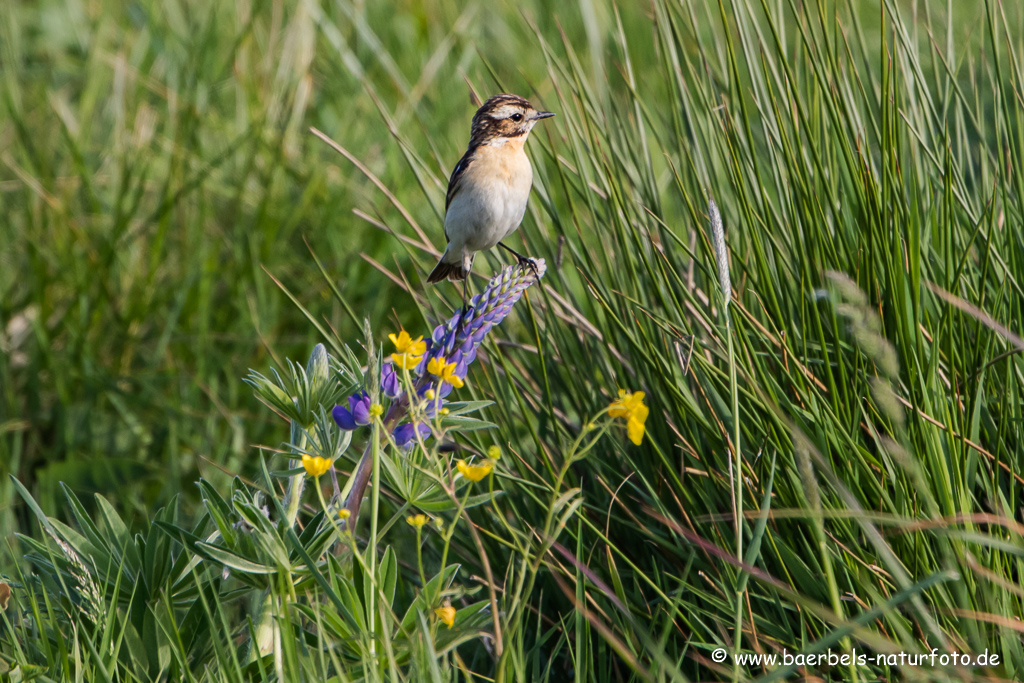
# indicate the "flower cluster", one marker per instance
pixel 420 374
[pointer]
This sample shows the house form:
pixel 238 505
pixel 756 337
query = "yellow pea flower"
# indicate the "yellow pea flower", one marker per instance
pixel 446 613
pixel 416 520
pixel 406 361
pixel 408 351
pixel 494 452
pixel 437 365
pixel 406 344
pixel 474 472
pixel 344 513
pixel 440 367
pixel 631 407
pixel 315 466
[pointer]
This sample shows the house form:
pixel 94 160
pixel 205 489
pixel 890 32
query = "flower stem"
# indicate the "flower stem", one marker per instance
pixel 371 548
pixel 738 512
pixel 498 644
pixel 266 630
pixel 419 557
pixel 294 495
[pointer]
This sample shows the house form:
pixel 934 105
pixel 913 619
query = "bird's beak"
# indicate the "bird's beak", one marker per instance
pixel 543 115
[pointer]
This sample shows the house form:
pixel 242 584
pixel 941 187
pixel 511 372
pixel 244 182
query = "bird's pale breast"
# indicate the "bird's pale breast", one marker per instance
pixel 492 197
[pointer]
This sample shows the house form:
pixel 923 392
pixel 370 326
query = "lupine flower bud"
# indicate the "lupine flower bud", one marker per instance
pixel 318 369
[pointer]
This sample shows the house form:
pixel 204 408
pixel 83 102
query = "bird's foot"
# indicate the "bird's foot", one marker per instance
pixel 523 262
pixel 527 263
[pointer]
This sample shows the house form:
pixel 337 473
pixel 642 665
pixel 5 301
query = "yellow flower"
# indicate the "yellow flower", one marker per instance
pixel 406 344
pixel 631 406
pixel 446 613
pixel 406 361
pixel 315 466
pixel 436 366
pixel 444 412
pixel 344 513
pixel 430 394
pixel 440 367
pixel 408 351
pixel 416 520
pixel 376 410
pixel 494 452
pixel 474 472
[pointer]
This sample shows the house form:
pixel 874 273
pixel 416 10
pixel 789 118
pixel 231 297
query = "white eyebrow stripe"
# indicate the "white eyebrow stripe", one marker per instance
pixel 505 111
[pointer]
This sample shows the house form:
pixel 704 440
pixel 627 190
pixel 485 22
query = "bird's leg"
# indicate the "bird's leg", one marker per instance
pixel 522 261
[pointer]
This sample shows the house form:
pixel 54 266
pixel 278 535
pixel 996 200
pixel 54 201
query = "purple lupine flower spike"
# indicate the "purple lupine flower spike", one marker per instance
pixel 488 310
pixel 357 414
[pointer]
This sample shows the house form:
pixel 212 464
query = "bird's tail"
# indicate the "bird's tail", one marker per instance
pixel 448 271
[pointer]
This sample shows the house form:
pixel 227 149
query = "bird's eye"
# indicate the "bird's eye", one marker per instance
pixel 516 117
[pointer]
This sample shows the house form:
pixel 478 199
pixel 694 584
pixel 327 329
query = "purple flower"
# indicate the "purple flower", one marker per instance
pixel 462 366
pixel 357 413
pixel 390 384
pixel 406 433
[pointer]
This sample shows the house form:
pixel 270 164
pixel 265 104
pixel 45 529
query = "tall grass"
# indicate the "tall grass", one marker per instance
pixel 866 162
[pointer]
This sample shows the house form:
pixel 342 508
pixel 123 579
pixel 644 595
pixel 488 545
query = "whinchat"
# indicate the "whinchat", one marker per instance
pixel 490 185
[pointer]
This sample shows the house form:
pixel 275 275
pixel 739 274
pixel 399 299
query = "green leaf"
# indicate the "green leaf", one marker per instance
pixel 444 503
pixel 464 407
pixel 219 511
pixel 387 576
pixel 232 561
pixel 117 532
pixel 465 424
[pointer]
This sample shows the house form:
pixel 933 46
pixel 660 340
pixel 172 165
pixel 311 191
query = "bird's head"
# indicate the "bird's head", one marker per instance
pixel 503 117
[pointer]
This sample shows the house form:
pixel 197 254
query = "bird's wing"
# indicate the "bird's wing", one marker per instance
pixel 456 180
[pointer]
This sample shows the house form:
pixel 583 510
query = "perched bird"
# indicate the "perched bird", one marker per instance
pixel 489 187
